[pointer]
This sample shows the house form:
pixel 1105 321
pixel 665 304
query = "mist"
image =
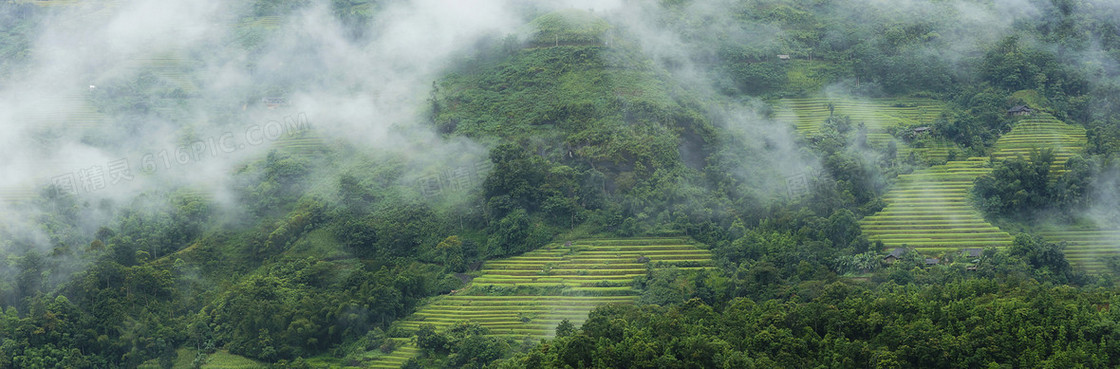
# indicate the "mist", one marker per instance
pixel 202 84
pixel 200 76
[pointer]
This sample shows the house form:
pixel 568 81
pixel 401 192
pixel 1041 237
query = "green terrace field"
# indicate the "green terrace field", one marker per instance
pixel 42 174
pixel 220 359
pixel 879 115
pixel 91 9
pixel 170 67
pixel 16 194
pixel 252 31
pixel 301 142
pixel 66 110
pixel 1087 249
pixel 524 297
pixel 930 150
pixel 929 209
pixel 1042 131
pixel 50 3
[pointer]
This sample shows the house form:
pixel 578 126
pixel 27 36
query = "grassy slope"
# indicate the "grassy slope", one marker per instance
pixel 525 297
pixel 581 103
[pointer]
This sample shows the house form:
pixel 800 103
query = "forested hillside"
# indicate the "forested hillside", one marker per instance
pixel 513 184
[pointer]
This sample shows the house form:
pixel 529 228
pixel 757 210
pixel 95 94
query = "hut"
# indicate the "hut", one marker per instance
pixel 1020 110
pixel 895 255
pixel 974 253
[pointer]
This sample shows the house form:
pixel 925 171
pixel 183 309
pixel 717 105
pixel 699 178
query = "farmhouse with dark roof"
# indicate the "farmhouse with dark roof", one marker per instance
pixel 896 254
pixel 1019 110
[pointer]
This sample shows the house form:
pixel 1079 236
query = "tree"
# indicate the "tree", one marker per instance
pixel 565 328
pixel 516 233
pixel 1017 187
pixel 450 252
pixel 844 229
pixel 428 339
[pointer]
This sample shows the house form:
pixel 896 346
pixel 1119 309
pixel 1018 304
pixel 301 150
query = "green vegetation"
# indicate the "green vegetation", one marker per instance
pixel 976 323
pixel 929 210
pixel 883 118
pixel 1042 131
pixel 189 358
pixel 1091 250
pixel 525 297
pixel 423 220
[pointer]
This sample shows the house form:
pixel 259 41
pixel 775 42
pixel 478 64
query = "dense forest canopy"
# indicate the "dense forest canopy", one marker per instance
pixel 289 184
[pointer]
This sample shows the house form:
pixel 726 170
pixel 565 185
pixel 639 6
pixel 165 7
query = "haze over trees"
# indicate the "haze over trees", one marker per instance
pixel 776 183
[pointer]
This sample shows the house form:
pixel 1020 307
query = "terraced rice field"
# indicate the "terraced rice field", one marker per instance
pixel 220 359
pixel 37 179
pixel 53 117
pixel 64 110
pixel 808 114
pixel 929 210
pixel 1087 249
pixel 91 9
pixel 249 30
pixel 878 115
pixel 170 67
pixel 588 273
pixel 1041 131
pixel 12 195
pixel 303 142
pixel 935 152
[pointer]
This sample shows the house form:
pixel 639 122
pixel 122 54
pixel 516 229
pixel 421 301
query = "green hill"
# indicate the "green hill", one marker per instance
pixel 457 148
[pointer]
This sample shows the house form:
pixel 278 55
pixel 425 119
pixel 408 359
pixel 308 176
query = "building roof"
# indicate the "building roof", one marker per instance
pixel 932 261
pixel 1020 109
pixel 972 253
pixel 897 253
pixel 922 129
